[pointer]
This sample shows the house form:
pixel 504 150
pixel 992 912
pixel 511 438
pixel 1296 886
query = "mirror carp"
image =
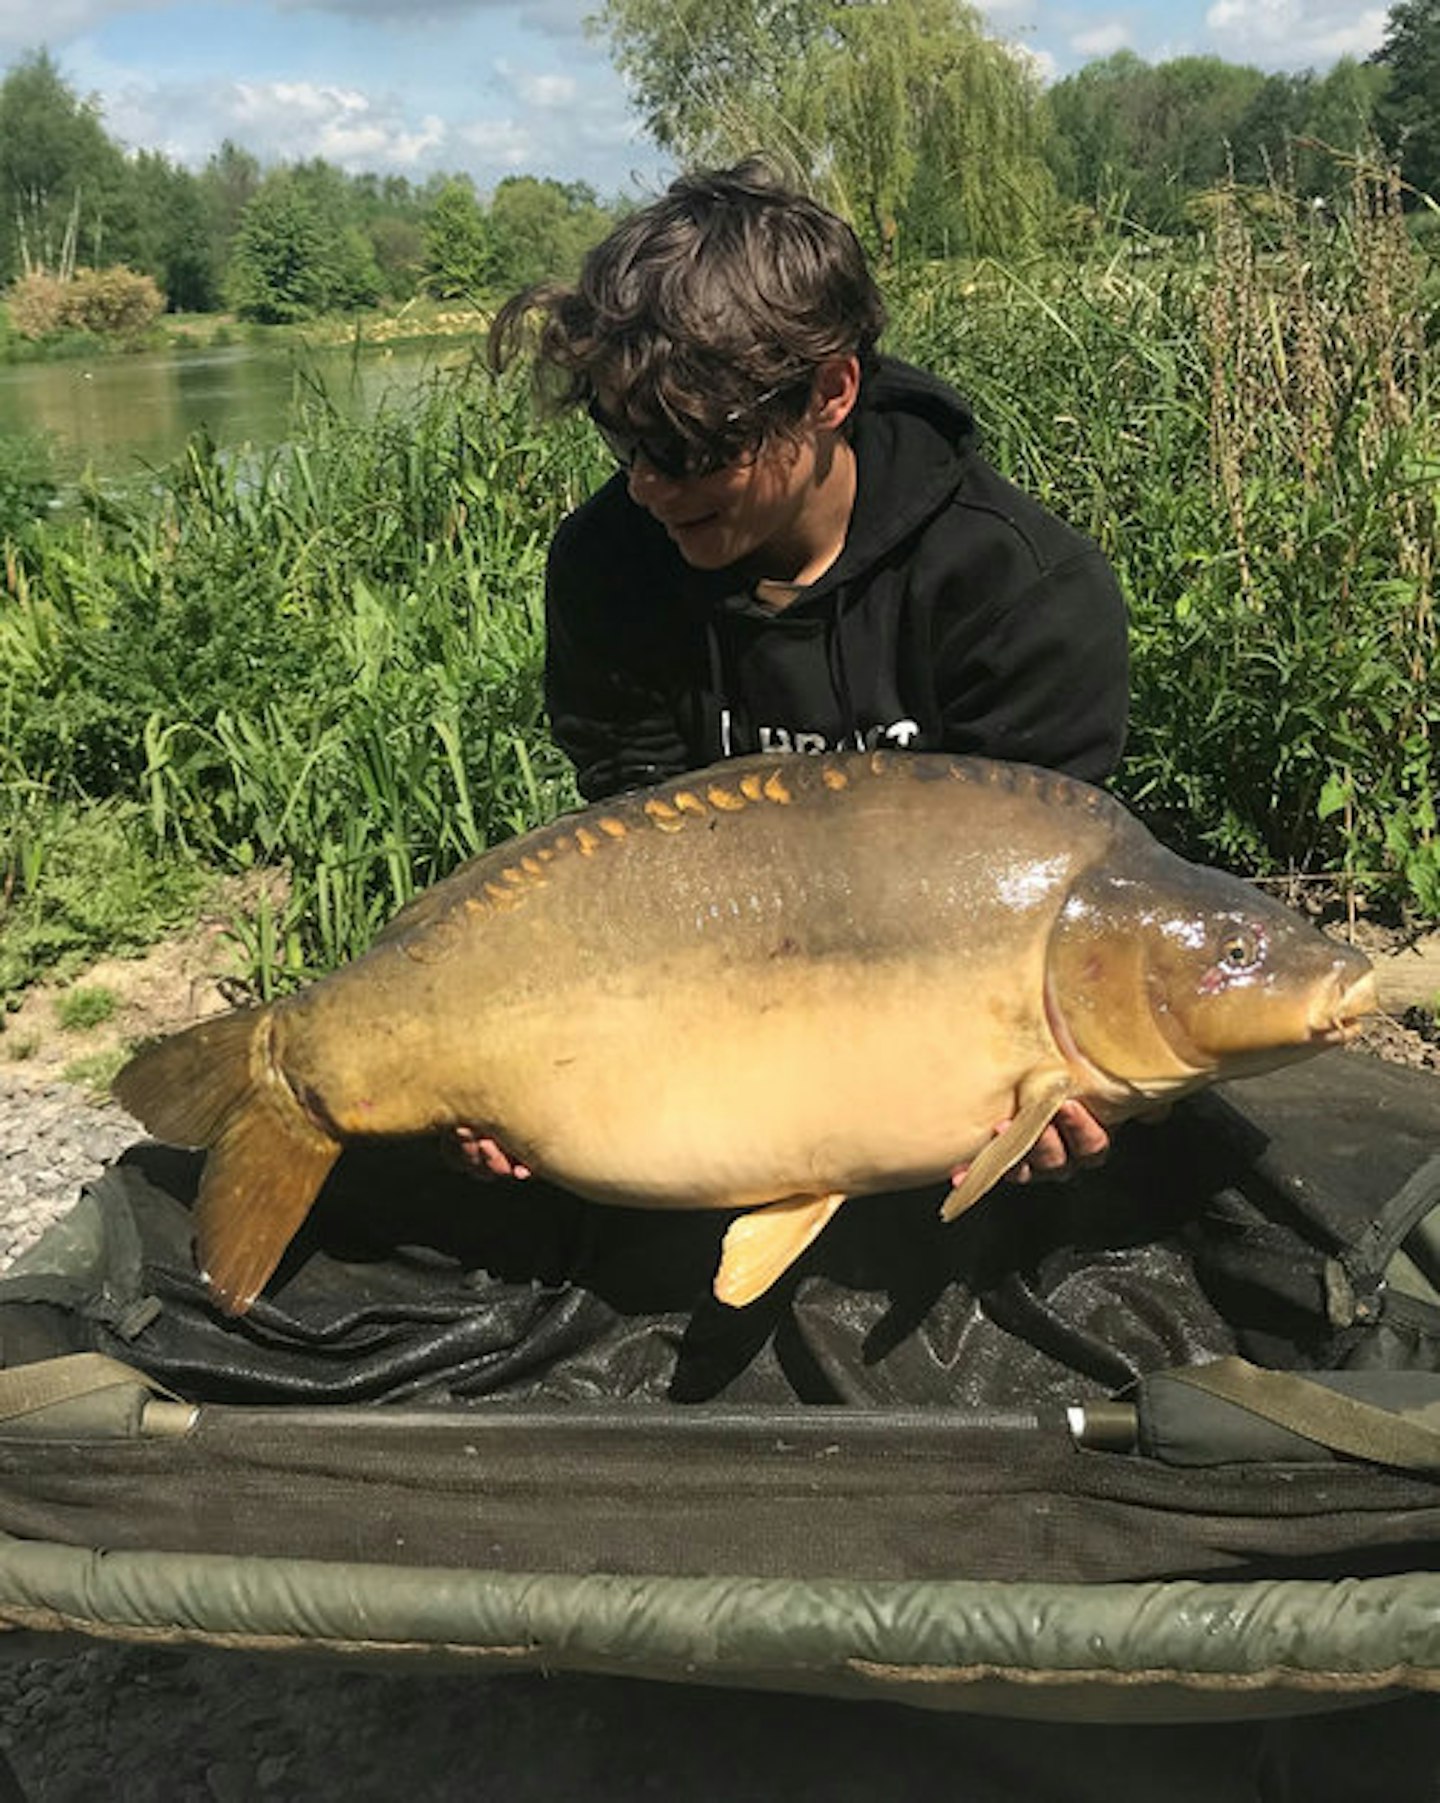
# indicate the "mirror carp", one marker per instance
pixel 766 986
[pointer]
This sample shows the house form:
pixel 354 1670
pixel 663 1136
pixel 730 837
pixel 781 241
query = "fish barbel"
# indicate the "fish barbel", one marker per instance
pixel 767 986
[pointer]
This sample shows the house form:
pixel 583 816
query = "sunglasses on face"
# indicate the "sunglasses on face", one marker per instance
pixel 668 453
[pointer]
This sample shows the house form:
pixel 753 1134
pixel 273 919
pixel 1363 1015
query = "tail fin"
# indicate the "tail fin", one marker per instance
pixel 216 1085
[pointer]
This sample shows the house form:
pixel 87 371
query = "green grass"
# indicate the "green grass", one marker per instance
pixel 96 1072
pixel 325 660
pixel 1250 426
pixel 82 878
pixel 85 1006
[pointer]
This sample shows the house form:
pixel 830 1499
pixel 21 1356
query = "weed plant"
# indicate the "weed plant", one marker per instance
pixel 1250 425
pixel 86 1005
pixel 323 659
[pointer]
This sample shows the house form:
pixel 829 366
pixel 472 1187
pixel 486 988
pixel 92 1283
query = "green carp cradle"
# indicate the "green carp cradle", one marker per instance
pixel 768 986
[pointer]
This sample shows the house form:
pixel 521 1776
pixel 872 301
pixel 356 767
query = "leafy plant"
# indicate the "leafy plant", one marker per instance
pixel 85 1006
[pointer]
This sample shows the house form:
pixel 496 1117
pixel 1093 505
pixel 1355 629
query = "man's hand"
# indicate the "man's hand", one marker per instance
pixel 484 1157
pixel 1074 1141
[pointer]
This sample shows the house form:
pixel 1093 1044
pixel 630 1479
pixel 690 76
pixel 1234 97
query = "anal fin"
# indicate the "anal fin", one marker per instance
pixel 1040 1095
pixel 760 1246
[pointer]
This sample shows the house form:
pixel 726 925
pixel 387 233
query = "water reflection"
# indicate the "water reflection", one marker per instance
pixel 120 415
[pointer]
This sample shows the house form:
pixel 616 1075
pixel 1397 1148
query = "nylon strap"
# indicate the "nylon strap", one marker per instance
pixel 27 1389
pixel 1327 1417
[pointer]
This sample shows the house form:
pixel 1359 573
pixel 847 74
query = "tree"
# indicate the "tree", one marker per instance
pixel 1144 138
pixel 170 237
pixel 538 230
pixel 398 245
pixel 277 273
pixel 391 214
pixel 457 246
pixel 904 112
pixel 229 181
pixel 1408 110
pixel 60 176
pixel 1301 128
pixel 297 251
pixel 934 129
pixel 714 78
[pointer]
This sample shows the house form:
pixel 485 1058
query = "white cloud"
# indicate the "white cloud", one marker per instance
pixel 545 91
pixel 1295 32
pixel 1040 63
pixel 501 146
pixel 26 26
pixel 286 120
pixel 279 121
pixel 1103 39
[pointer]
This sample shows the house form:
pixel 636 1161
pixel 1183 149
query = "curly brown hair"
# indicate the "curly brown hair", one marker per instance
pixel 704 316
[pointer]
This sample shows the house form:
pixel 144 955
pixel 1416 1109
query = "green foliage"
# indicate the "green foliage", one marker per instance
pixel 932 129
pixel 171 235
pixel 457 247
pixel 1409 107
pixel 27 483
pixel 913 120
pixel 1141 140
pixel 84 1006
pixel 78 878
pixel 1251 432
pixel 98 1072
pixel 277 274
pixel 324 662
pixel 61 177
pixel 539 230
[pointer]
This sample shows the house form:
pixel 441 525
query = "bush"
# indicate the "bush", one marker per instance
pixel 111 303
pixel 36 305
pixel 115 303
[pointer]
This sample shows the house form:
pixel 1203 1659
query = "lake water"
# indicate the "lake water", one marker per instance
pixel 118 415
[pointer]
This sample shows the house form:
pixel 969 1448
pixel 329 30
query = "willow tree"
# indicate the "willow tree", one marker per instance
pixel 903 112
pixel 933 128
pixel 712 79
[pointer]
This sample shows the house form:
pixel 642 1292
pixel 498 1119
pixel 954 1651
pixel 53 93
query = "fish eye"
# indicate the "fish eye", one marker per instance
pixel 1240 951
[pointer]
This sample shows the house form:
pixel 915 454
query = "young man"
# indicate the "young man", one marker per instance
pixel 801 549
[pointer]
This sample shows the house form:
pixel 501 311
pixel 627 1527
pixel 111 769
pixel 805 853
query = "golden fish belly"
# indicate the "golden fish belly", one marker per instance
pixel 811 1086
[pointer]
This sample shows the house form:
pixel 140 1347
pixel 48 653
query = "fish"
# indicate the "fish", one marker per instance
pixel 767 986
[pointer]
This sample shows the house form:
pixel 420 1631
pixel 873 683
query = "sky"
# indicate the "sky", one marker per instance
pixel 496 87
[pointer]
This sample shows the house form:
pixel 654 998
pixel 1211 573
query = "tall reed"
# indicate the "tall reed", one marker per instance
pixel 1249 423
pixel 324 659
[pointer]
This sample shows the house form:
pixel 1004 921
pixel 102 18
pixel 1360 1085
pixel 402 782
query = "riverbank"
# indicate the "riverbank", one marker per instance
pixel 410 322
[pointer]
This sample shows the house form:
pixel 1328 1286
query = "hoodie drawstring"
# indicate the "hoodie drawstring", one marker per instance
pixel 715 652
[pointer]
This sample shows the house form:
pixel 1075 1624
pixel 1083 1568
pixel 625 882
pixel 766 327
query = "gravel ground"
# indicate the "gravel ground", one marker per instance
pixel 83 1721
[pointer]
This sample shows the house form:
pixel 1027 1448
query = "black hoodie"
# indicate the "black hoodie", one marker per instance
pixel 959 616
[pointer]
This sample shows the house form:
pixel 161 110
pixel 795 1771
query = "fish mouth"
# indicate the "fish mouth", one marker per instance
pixel 1350 1006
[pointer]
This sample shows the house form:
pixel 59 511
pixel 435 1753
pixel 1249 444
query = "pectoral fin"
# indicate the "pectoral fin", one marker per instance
pixel 1040 1095
pixel 762 1245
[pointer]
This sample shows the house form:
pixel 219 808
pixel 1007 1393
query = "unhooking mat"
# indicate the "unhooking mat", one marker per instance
pixel 1164 1440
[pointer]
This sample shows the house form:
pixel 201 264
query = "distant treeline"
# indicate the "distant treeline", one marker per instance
pixel 272 244
pixel 939 141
